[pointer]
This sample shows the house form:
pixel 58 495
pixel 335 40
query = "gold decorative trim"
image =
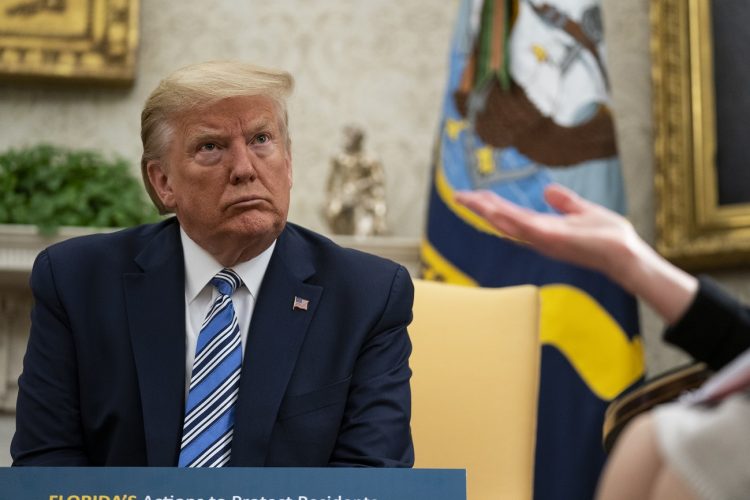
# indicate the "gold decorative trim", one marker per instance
pixel 693 229
pixel 69 39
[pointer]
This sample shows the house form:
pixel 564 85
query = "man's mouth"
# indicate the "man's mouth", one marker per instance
pixel 247 202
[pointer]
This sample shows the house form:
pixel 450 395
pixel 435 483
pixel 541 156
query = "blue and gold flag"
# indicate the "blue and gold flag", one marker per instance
pixel 526 105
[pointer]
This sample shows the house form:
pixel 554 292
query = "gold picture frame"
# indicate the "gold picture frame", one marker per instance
pixel 694 230
pixel 69 39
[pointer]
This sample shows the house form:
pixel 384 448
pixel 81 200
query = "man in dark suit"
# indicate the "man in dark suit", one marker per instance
pixel 224 335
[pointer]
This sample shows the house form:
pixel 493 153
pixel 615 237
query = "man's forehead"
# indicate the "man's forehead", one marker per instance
pixel 249 111
pixel 207 127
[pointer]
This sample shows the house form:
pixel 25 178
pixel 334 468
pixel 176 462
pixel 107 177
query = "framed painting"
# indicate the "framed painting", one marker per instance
pixel 701 106
pixel 69 39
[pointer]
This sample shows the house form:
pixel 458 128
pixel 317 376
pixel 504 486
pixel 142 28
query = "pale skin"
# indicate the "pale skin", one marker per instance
pixel 637 470
pixel 592 236
pixel 227 176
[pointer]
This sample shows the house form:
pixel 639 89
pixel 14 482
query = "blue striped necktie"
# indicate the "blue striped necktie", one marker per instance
pixel 214 382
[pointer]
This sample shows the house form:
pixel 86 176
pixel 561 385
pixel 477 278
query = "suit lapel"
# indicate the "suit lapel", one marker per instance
pixel 156 315
pixel 274 340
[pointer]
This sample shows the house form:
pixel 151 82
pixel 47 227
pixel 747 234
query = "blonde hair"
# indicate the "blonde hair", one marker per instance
pixel 199 85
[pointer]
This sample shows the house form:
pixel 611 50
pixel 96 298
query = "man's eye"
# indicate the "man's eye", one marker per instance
pixel 210 146
pixel 262 138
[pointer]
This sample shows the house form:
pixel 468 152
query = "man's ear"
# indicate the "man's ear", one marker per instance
pixel 159 179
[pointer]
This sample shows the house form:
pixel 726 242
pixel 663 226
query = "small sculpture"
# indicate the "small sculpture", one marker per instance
pixel 355 193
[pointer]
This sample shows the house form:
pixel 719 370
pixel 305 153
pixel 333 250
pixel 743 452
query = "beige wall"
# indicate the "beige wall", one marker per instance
pixel 380 63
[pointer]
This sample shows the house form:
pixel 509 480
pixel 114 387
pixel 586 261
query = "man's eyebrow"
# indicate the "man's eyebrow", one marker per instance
pixel 259 123
pixel 203 133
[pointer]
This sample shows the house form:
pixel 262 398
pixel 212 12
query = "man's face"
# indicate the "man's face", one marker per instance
pixel 228 176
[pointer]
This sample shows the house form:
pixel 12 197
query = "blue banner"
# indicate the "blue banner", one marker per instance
pixel 527 104
pixel 155 483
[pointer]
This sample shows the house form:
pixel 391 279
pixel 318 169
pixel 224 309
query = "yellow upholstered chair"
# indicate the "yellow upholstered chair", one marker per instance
pixel 475 363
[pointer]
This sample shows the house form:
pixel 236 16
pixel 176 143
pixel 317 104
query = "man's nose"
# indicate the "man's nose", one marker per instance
pixel 243 167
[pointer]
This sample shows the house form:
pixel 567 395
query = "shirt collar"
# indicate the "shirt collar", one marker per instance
pixel 200 267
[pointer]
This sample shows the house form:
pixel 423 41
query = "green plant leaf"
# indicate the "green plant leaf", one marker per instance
pixel 52 186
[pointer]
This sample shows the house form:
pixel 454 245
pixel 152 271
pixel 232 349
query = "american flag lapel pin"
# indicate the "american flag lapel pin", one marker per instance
pixel 300 303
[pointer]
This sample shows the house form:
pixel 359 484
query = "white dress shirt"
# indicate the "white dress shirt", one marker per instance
pixel 200 268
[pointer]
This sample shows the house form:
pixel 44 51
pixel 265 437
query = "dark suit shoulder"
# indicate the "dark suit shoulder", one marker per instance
pixel 121 245
pixel 327 255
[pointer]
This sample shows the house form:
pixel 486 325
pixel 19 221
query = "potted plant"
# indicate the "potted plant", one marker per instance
pixel 50 193
pixel 50 186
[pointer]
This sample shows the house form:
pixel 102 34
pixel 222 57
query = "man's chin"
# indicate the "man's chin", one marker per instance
pixel 255 227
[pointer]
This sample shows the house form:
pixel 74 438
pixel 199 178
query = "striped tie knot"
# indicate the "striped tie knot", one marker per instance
pixel 226 281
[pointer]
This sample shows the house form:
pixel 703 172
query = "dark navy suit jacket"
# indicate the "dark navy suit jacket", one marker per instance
pixel 103 379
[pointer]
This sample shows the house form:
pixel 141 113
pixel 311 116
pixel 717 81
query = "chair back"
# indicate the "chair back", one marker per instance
pixel 475 363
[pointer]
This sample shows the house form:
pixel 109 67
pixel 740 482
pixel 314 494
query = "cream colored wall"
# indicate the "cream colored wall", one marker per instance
pixel 380 63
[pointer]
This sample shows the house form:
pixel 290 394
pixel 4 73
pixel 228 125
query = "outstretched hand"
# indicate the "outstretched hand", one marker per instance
pixel 585 234
pixel 591 236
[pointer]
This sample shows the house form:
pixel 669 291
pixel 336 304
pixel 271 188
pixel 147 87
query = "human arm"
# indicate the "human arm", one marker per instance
pixel 48 428
pixel 591 236
pixel 375 428
pixel 703 320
